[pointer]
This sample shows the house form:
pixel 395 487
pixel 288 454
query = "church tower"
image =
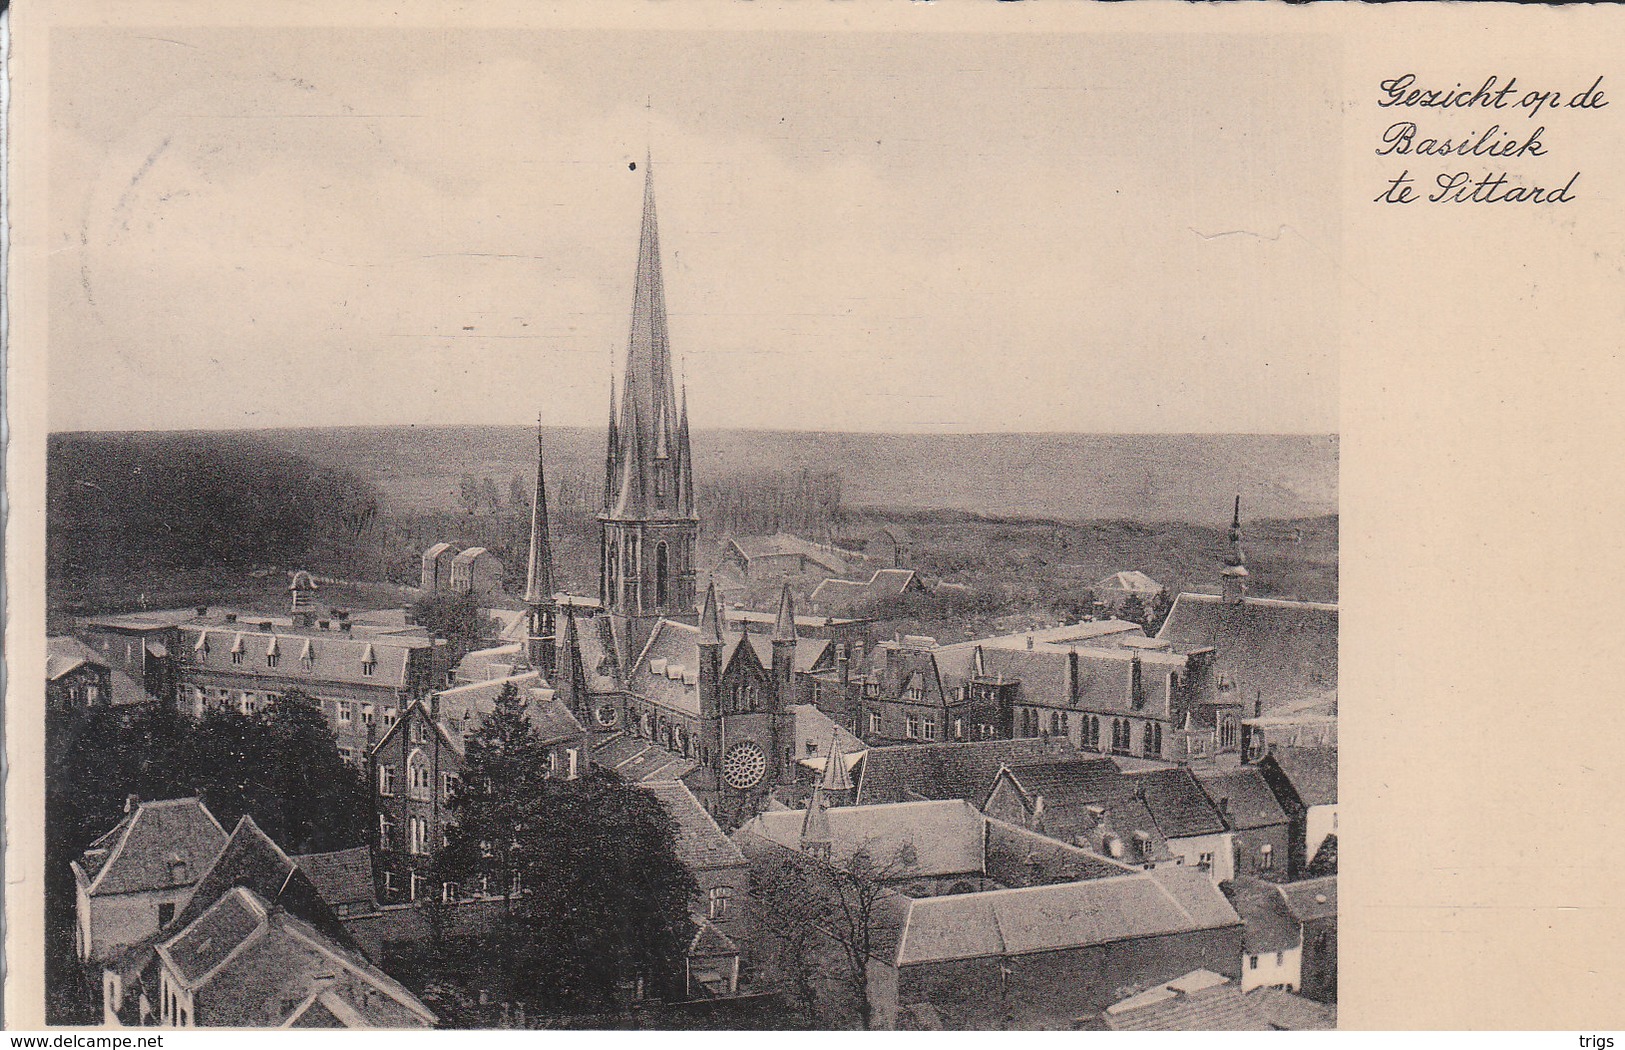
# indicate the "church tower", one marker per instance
pixel 649 526
pixel 541 612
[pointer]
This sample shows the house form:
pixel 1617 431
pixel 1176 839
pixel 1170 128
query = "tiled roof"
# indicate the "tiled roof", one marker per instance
pixel 1218 1009
pixel 1311 899
pixel 336 657
pixel 463 709
pixel 785 543
pixel 701 845
pixel 1293 1013
pixel 341 877
pixel 946 771
pixel 214 935
pixel 64 653
pixel 1178 803
pixel 161 845
pixel 252 860
pixel 482 665
pixel 1269 926
pixel 1267 649
pixel 667 671
pixel 1312 772
pixel 250 965
pixel 813 731
pixel 1243 797
pixel 946 837
pixel 638 761
pixel 1062 916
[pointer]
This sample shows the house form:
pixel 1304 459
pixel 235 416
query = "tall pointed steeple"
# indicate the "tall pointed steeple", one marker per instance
pixel 649 528
pixel 539 574
pixel 836 781
pixel 816 838
pixel 711 619
pixel 784 626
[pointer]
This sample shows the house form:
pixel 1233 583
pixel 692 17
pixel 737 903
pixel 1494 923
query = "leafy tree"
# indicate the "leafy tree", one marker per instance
pixel 1133 610
pixel 604 898
pixel 489 497
pixel 845 906
pixel 469 493
pixel 456 617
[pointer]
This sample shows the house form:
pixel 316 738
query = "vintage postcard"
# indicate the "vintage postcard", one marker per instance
pixel 764 518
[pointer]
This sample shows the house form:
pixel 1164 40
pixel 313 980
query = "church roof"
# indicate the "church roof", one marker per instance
pixel 1269 650
pixel 700 844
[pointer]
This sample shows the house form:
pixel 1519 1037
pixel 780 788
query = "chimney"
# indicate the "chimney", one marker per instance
pixel 344 625
pixel 131 802
pixel 231 617
pixel 265 625
pixel 1258 704
pixel 202 611
pixel 1029 642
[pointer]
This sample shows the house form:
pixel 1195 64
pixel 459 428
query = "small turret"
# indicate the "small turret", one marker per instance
pixel 836 783
pixel 784 646
pixel 816 838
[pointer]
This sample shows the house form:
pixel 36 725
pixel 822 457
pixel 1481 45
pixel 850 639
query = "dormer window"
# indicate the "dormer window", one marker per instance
pixel 369 660
pixel 307 656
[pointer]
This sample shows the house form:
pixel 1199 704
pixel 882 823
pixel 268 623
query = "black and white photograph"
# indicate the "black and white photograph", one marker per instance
pixel 612 529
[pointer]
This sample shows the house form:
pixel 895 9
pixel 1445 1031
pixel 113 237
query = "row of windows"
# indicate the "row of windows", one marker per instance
pixel 418 888
pixel 916 727
pixel 274 659
pixel 420 780
pixel 1059 723
pixel 417 835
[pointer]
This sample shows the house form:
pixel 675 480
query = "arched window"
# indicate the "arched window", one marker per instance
pixel 662 571
pixel 418 779
pixel 1151 742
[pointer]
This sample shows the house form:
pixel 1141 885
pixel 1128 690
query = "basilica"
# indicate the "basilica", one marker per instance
pixel 667 687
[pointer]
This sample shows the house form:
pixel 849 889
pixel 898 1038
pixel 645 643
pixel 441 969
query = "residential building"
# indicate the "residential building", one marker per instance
pixel 773 557
pixel 362 670
pixel 1260 827
pixel 722 876
pixel 1304 779
pixel 477 571
pixel 1272 941
pixel 836 597
pixel 1100 684
pixel 1115 590
pixel 76 676
pixel 1146 818
pixel 139 646
pixel 245 963
pixel 130 881
pixel 1312 903
pixel 416 766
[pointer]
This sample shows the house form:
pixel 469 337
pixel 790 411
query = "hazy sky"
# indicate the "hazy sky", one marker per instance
pixel 860 232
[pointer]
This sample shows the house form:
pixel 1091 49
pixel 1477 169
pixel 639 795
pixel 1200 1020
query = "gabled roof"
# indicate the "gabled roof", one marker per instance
pixel 1062 916
pixel 1270 927
pixel 250 964
pixel 159 846
pixel 1177 802
pixel 64 653
pixel 963 770
pixel 946 838
pixel 813 727
pixel 1090 801
pixel 464 708
pixel 1268 649
pixel 1221 1008
pixel 846 594
pixel 253 860
pixel 708 940
pixel 700 844
pixel 783 543
pixel 1312 772
pixel 1132 582
pixel 1243 797
pixel 1311 899
pixel 342 876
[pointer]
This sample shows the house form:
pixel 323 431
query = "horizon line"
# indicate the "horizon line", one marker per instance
pixel 530 426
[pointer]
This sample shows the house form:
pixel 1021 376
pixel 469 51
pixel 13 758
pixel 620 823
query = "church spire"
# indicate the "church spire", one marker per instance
pixel 816 838
pixel 711 619
pixel 835 781
pixel 610 471
pixel 1233 577
pixel 539 575
pixel 784 626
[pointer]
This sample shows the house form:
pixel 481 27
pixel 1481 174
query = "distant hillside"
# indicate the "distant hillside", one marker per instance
pixel 1068 477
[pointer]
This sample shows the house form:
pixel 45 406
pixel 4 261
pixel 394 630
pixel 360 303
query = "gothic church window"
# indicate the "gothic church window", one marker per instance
pixel 662 570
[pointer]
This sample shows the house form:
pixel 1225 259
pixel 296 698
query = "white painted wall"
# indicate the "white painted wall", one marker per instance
pixel 1272 968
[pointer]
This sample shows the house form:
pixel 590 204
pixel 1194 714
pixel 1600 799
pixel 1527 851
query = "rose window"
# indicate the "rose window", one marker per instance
pixel 744 766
